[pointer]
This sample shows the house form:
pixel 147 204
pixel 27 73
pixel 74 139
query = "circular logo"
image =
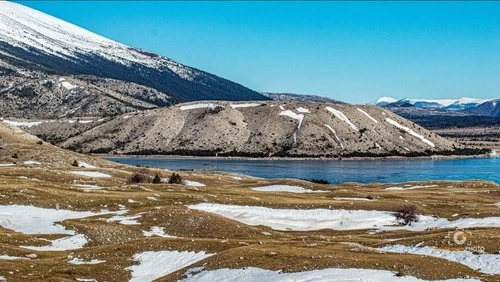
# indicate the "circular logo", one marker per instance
pixel 459 237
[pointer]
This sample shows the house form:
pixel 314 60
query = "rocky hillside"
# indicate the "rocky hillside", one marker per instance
pixel 39 95
pixel 34 43
pixel 255 129
pixel 490 109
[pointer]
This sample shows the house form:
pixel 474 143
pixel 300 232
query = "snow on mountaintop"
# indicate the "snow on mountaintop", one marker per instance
pixel 452 103
pixel 62 39
pixel 386 100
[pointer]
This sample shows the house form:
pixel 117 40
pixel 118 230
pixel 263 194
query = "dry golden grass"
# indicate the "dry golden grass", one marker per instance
pixel 235 244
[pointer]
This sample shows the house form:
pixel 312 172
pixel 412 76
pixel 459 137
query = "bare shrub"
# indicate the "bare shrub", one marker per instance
pixel 406 214
pixel 175 179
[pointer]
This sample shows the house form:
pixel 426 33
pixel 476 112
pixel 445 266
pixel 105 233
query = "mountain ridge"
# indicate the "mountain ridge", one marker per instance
pixel 31 41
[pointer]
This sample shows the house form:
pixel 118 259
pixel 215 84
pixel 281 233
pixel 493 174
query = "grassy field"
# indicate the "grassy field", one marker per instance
pixel 234 244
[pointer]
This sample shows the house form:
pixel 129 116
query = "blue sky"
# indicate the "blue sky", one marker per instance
pixel 351 51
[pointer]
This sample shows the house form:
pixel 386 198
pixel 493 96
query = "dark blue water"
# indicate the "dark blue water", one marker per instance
pixel 339 171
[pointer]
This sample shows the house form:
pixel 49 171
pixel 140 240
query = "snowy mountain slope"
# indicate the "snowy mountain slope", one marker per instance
pixel 445 104
pixel 33 40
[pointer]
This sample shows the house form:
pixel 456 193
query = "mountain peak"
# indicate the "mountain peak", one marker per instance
pixel 33 40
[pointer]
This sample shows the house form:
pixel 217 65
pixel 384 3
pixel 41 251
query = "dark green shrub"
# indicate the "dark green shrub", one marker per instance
pixel 175 179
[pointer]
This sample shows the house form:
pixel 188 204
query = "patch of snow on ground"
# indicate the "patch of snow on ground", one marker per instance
pixel 6 165
pixel 153 265
pixel 85 165
pixel 125 220
pixel 369 116
pixel 342 117
pixel 68 85
pixel 246 105
pixel 351 199
pixel 485 263
pixel 7 257
pixel 156 231
pixel 335 134
pixel 410 188
pixel 85 121
pixel 298 117
pixel 282 108
pixel 286 188
pixel 411 132
pixel 199 106
pixel 79 261
pixel 251 274
pixel 64 244
pixel 303 110
pixel 86 280
pixel 90 173
pixel 193 183
pixel 23 123
pixel 34 220
pixel 88 187
pixel 316 219
pixel 32 163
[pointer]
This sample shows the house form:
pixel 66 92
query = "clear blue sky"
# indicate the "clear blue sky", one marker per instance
pixel 351 51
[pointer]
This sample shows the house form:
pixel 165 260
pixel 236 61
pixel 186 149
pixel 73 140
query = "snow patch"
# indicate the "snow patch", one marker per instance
pixel 28 124
pixel 411 132
pixel 342 117
pixel 32 163
pixel 298 117
pixel 303 110
pixel 286 188
pixel 156 231
pixel 193 183
pixel 85 165
pixel 199 106
pixel 90 173
pixel 251 274
pixel 369 116
pixel 246 105
pixel 316 219
pixel 153 265
pixel 6 165
pixel 485 263
pixel 64 244
pixel 411 187
pixel 335 134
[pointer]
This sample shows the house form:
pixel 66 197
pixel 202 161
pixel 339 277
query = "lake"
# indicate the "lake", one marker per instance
pixel 338 171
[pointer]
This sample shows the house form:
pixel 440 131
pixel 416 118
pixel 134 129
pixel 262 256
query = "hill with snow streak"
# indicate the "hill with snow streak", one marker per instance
pixel 33 41
pixel 253 129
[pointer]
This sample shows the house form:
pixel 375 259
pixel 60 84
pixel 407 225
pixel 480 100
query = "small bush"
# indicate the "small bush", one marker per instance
pixel 156 179
pixel 15 156
pixel 39 142
pixel 138 178
pixel 406 214
pixel 175 179
pixel 215 110
pixel 75 163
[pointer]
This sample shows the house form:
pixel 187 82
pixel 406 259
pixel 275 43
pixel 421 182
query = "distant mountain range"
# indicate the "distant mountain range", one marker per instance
pixel 37 47
pixel 468 106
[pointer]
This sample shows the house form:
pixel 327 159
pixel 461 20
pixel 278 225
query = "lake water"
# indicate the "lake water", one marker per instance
pixel 338 171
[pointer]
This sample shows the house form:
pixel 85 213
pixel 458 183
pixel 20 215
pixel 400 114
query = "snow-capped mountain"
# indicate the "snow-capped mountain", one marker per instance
pixel 444 104
pixel 382 101
pixel 33 41
pixel 490 108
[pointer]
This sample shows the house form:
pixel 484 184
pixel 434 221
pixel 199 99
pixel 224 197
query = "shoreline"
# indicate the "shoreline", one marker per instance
pixel 388 158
